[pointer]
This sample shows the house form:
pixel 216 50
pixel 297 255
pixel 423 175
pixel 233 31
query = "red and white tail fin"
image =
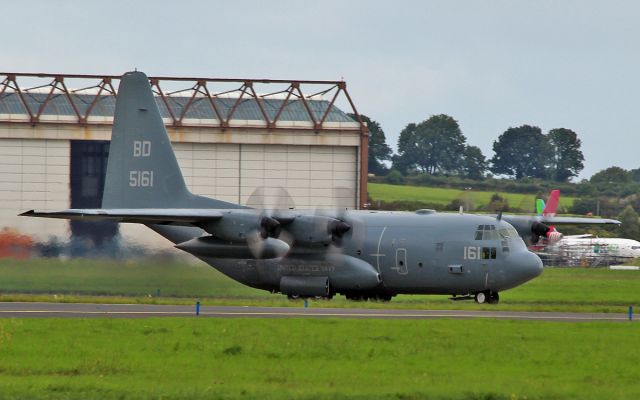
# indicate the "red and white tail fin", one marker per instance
pixel 551 207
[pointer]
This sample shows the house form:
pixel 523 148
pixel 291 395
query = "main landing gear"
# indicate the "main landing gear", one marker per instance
pixel 487 297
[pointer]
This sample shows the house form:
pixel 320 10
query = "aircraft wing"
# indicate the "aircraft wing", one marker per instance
pixel 173 216
pixel 577 221
pixel 583 236
pixel 550 220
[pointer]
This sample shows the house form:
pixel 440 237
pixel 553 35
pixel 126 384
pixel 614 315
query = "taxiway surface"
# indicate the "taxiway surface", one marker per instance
pixel 78 310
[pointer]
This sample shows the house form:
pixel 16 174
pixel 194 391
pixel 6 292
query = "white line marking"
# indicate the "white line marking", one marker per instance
pixel 378 251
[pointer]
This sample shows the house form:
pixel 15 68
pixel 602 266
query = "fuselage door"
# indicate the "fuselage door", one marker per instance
pixel 401 261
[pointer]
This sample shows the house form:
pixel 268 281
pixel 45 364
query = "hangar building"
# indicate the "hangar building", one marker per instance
pixel 238 140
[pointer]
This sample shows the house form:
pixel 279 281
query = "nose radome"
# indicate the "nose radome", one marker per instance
pixel 531 265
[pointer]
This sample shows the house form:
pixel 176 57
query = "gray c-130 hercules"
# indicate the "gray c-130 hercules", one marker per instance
pixel 360 254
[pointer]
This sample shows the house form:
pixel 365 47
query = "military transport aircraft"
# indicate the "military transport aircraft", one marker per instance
pixel 360 254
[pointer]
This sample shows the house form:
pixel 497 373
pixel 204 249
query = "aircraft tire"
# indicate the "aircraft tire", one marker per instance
pixel 481 297
pixel 494 298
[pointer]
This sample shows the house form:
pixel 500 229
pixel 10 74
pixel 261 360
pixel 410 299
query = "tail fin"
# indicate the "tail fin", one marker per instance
pixel 551 208
pixel 539 206
pixel 142 170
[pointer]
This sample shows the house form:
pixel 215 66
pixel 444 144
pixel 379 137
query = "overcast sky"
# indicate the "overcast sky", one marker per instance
pixel 489 64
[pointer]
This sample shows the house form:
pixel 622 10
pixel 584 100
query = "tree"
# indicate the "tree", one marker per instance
pixel 630 227
pixel 379 151
pixel 635 174
pixel 521 152
pixel 612 175
pixel 475 163
pixel 566 156
pixel 435 145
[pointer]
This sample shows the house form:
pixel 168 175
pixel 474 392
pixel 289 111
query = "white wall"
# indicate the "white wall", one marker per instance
pixel 313 176
pixel 34 174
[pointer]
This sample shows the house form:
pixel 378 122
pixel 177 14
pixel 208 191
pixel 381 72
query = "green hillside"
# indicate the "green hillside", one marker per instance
pixel 441 196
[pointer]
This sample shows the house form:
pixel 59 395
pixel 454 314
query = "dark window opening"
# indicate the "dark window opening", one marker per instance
pixel 489 253
pixel 88 171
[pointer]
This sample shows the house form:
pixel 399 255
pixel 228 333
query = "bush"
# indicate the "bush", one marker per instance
pixel 394 177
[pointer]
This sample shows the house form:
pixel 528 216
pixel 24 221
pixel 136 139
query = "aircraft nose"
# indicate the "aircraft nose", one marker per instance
pixel 530 266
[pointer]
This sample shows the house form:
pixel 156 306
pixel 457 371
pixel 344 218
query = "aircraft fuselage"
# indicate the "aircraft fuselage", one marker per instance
pixel 389 253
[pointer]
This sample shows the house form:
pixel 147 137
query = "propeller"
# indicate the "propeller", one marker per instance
pixel 269 231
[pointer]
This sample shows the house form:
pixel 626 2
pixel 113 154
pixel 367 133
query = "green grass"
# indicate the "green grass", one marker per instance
pixel 194 358
pixel 391 193
pixel 78 280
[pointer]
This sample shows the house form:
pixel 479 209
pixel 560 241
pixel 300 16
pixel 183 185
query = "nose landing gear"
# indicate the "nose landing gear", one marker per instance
pixel 487 296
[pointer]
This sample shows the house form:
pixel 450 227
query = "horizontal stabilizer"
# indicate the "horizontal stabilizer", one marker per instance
pixel 173 216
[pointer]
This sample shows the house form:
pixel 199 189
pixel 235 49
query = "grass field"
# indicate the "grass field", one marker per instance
pixel 79 280
pixel 390 193
pixel 194 358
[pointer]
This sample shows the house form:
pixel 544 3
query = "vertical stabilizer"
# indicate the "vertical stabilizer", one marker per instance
pixel 551 208
pixel 539 206
pixel 142 171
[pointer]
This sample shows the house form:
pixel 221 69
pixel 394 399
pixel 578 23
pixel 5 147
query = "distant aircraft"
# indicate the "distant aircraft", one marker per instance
pixel 360 254
pixel 595 250
pixel 587 246
pixel 540 230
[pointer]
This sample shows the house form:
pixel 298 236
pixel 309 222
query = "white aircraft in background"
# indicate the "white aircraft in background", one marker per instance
pixel 591 246
pixel 586 246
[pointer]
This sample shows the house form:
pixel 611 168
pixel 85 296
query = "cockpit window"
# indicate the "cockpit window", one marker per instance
pixel 508 233
pixel 487 232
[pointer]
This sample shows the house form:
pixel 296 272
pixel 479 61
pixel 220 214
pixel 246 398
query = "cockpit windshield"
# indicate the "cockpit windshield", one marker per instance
pixel 504 233
pixel 487 232
pixel 508 233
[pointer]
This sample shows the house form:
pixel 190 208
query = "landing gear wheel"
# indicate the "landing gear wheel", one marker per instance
pixel 494 298
pixel 481 297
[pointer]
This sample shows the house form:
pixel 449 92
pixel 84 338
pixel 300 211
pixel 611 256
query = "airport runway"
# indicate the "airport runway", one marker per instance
pixel 77 310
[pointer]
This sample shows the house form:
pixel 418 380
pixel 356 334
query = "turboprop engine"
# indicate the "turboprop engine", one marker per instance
pixel 549 233
pixel 240 226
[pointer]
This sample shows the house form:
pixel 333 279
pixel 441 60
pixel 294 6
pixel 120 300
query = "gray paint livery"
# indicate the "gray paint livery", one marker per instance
pixel 361 254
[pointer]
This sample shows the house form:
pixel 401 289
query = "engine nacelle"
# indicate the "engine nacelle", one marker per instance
pixel 208 246
pixel 314 230
pixel 305 286
pixel 234 227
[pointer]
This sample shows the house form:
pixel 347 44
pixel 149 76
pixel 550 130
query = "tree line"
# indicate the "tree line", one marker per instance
pixel 435 152
pixel 437 146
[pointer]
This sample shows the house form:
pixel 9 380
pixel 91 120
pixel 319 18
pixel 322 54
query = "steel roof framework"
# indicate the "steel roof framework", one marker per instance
pixel 198 88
